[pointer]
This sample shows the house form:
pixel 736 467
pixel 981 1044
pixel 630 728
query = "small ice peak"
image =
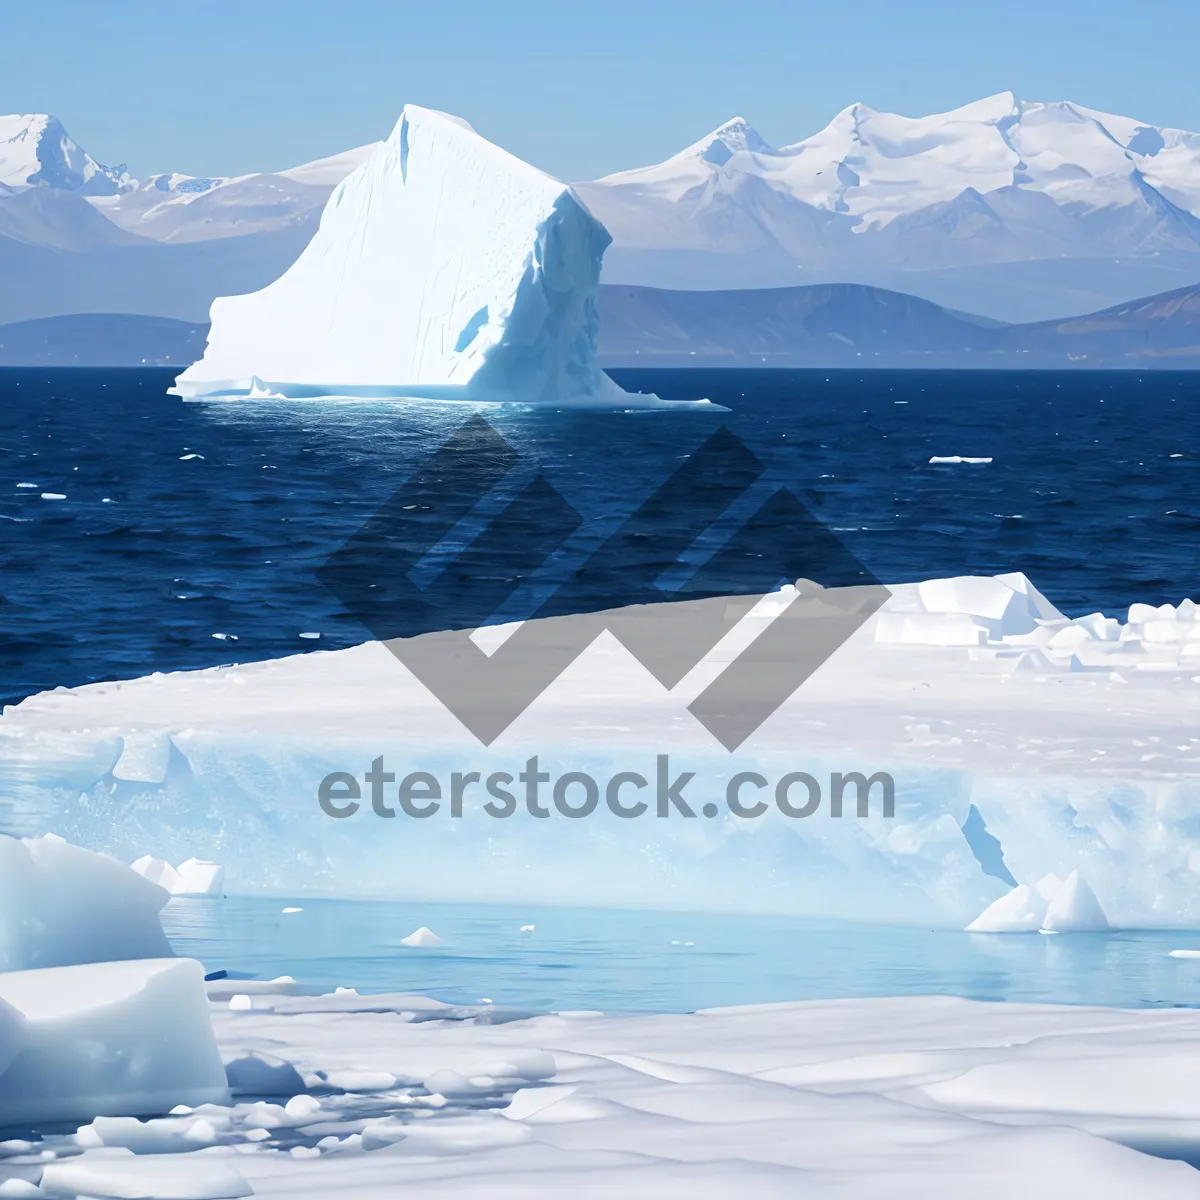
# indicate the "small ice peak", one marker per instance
pixel 193 877
pixel 735 136
pixel 1075 909
pixel 421 937
pixel 1021 910
pixel 1049 906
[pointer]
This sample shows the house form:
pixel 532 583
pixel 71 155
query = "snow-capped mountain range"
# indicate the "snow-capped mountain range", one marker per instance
pixel 36 152
pixel 1013 209
pixel 994 187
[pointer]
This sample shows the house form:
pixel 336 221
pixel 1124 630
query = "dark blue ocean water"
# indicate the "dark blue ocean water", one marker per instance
pixel 181 521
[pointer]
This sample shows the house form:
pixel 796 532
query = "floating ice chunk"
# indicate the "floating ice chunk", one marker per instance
pixel 421 937
pixel 189 457
pixel 167 1135
pixel 1069 637
pixel 159 871
pixel 957 458
pixel 1004 609
pixel 199 877
pixel 145 758
pixel 1102 628
pixel 528 928
pixel 1139 614
pixel 1184 953
pixel 203 1178
pixel 291 910
pixel 61 905
pixel 53 496
pixel 1020 911
pixel 1075 909
pixel 310 636
pixel 27 485
pixel 110 1039
pixel 443 268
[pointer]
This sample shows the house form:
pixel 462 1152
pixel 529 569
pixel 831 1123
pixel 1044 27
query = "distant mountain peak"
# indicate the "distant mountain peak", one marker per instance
pixel 725 141
pixel 37 151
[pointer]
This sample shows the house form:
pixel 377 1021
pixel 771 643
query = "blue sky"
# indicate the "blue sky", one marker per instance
pixel 578 87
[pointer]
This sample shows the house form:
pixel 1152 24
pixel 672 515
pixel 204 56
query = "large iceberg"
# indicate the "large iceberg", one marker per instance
pixel 443 268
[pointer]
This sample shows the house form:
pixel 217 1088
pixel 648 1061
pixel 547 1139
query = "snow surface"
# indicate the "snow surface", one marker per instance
pixel 1074 743
pixel 864 1099
pixel 118 1038
pixel 443 268
pixel 61 905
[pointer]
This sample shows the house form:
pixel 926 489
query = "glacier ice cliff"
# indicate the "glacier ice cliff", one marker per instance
pixel 1021 743
pixel 444 268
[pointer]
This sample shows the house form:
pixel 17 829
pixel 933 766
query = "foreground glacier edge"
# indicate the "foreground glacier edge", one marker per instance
pixel 444 268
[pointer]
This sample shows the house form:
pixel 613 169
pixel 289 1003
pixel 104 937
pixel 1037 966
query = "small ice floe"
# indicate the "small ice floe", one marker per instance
pixel 291 910
pixel 421 937
pixel 226 637
pixel 72 1025
pixel 189 457
pixel 53 496
pixel 27 485
pixel 528 928
pixel 254 1073
pixel 1050 906
pixel 310 636
pixel 1185 954
pixel 957 458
